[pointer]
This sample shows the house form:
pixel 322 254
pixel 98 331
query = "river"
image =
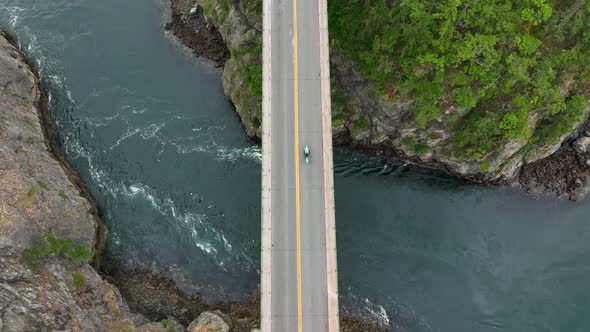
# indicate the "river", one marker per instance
pixel 161 150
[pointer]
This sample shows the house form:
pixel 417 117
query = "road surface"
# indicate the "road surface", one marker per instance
pixel 298 211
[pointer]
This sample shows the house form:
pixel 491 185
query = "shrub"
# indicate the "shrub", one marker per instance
pixel 78 279
pixel 422 149
pixel 42 184
pixel 478 135
pixel 252 6
pixel 224 7
pixel 361 123
pixel 208 7
pixel 256 122
pixel 551 129
pixel 249 58
pixel 32 191
pixel 48 246
pixel 165 322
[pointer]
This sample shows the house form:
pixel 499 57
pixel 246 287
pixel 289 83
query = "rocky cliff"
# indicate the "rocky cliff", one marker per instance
pixel 451 138
pixel 49 229
pixel 46 284
pixel 230 33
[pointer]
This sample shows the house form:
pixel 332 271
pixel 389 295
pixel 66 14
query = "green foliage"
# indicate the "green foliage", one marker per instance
pixel 361 123
pixel 514 123
pixel 256 122
pixel 509 121
pixel 422 149
pixel 337 121
pixel 78 279
pixel 32 191
pixel 425 112
pixel 249 57
pixel 537 11
pixel 42 184
pixel 465 98
pixel 62 194
pixel 485 166
pixel 18 149
pixel 208 7
pixel 408 141
pixel 485 56
pixel 224 10
pixel 551 129
pixel 527 44
pixel 478 135
pixel 29 121
pixel 165 323
pixel 48 246
pixel 419 148
pixel 254 84
pixel 557 104
pixel 252 6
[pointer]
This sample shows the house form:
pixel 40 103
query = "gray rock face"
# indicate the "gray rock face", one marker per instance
pixel 36 197
pixel 209 321
pixel 217 27
pixel 189 25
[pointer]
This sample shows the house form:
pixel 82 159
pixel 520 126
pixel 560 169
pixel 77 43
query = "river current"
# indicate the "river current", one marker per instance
pixel 178 184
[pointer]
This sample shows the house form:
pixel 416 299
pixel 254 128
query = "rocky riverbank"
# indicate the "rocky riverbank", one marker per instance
pixel 50 234
pixel 368 120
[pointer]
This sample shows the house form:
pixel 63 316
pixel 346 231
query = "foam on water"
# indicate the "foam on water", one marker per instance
pixel 376 311
pixel 208 239
pixel 222 153
pixel 129 133
pixel 14 13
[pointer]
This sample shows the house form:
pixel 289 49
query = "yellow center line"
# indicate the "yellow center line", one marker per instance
pixel 297 198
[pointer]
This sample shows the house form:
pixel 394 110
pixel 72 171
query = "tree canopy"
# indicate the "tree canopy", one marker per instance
pixel 496 60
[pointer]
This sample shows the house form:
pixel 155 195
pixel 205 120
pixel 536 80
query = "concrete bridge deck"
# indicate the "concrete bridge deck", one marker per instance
pixel 299 274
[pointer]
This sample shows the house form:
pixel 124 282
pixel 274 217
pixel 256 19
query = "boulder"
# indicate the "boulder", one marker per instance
pixel 209 321
pixel 582 145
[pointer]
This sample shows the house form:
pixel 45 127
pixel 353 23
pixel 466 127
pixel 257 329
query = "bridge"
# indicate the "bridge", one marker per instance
pixel 299 288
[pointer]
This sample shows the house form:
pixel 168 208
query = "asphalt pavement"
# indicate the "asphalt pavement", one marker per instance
pixel 298 278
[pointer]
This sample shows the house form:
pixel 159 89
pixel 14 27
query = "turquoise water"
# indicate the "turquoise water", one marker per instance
pixel 178 183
